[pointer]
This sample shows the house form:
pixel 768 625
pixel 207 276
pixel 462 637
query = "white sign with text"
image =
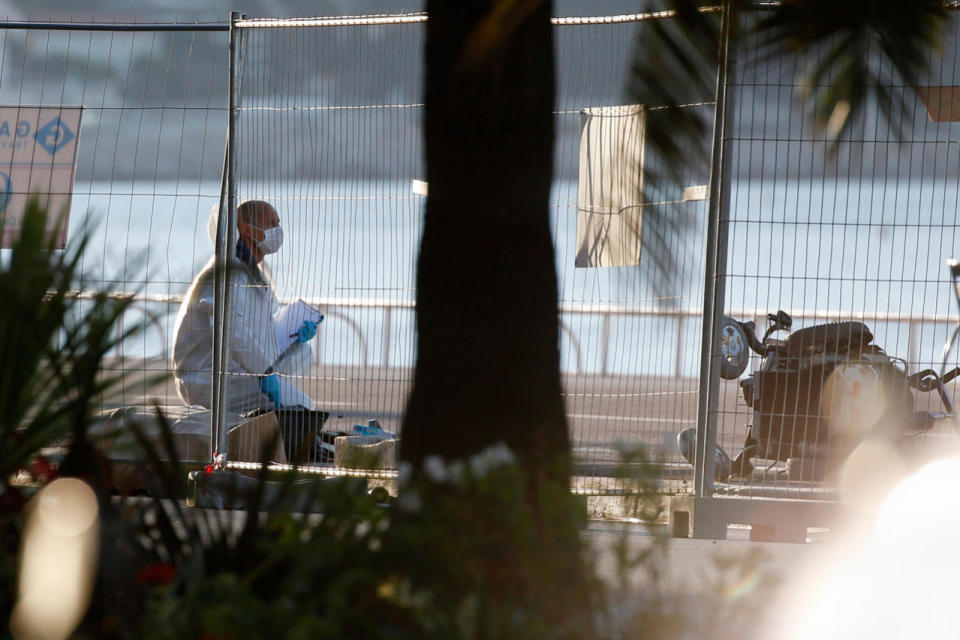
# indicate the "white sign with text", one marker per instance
pixel 38 157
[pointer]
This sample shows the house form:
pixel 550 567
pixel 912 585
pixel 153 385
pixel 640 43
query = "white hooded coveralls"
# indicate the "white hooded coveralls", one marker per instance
pixel 252 343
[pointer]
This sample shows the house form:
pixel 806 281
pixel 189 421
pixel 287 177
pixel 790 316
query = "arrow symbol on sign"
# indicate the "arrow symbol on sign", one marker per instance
pixel 53 136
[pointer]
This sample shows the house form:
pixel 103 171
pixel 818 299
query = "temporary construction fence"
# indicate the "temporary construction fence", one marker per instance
pixel 323 119
pixel 847 230
pixel 142 110
pixel 326 125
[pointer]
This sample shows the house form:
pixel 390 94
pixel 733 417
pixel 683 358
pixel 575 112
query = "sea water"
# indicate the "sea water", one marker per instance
pixel 814 247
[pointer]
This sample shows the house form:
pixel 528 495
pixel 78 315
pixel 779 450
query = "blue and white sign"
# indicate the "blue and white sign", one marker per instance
pixel 6 190
pixel 38 157
pixel 53 136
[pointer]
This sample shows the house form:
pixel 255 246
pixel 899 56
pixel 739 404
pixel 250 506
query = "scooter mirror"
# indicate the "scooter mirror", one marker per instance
pixel 780 320
pixel 784 320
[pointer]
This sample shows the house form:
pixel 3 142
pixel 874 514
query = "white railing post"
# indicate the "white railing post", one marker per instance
pixel 387 313
pixel 605 343
pixel 678 351
pixel 913 349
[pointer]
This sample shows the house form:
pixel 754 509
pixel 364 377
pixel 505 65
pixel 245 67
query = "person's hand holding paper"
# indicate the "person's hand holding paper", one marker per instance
pixel 296 323
pixel 307 331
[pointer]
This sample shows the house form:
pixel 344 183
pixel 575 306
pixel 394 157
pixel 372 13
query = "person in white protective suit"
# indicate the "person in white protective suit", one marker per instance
pixel 252 341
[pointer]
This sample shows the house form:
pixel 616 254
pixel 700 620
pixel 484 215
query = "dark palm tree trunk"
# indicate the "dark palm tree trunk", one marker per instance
pixel 487 355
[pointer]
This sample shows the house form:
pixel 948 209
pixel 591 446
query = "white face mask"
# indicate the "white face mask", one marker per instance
pixel 272 240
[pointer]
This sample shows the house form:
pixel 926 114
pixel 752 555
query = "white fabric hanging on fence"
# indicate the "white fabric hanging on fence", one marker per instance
pixel 609 189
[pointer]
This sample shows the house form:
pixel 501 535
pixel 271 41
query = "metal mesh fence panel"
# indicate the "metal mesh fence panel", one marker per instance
pixel 149 155
pixel 326 123
pixel 852 229
pixel 630 339
pixel 328 130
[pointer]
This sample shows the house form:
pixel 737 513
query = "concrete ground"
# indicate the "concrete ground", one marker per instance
pixel 695 588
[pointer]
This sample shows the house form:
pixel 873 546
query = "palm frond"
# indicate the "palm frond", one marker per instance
pixel 856 53
pixel 674 66
pixel 858 49
pixel 52 343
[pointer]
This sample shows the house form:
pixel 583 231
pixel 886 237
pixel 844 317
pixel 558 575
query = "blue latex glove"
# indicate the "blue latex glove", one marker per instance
pixel 270 385
pixel 306 331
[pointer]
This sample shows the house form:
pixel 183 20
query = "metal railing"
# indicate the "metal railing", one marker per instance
pixel 339 310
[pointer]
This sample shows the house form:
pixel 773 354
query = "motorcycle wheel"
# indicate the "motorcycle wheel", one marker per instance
pixel 828 337
pixel 733 349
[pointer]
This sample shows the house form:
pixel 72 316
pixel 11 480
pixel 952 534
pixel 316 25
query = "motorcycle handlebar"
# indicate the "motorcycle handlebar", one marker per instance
pixel 758 347
pixel 950 375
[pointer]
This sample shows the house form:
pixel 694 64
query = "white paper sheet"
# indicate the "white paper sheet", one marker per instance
pixel 290 318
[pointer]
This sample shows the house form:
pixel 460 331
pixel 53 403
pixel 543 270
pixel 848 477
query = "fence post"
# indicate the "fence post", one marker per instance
pixel 715 269
pixel 226 240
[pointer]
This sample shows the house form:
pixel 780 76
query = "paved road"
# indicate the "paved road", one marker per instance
pixel 603 411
